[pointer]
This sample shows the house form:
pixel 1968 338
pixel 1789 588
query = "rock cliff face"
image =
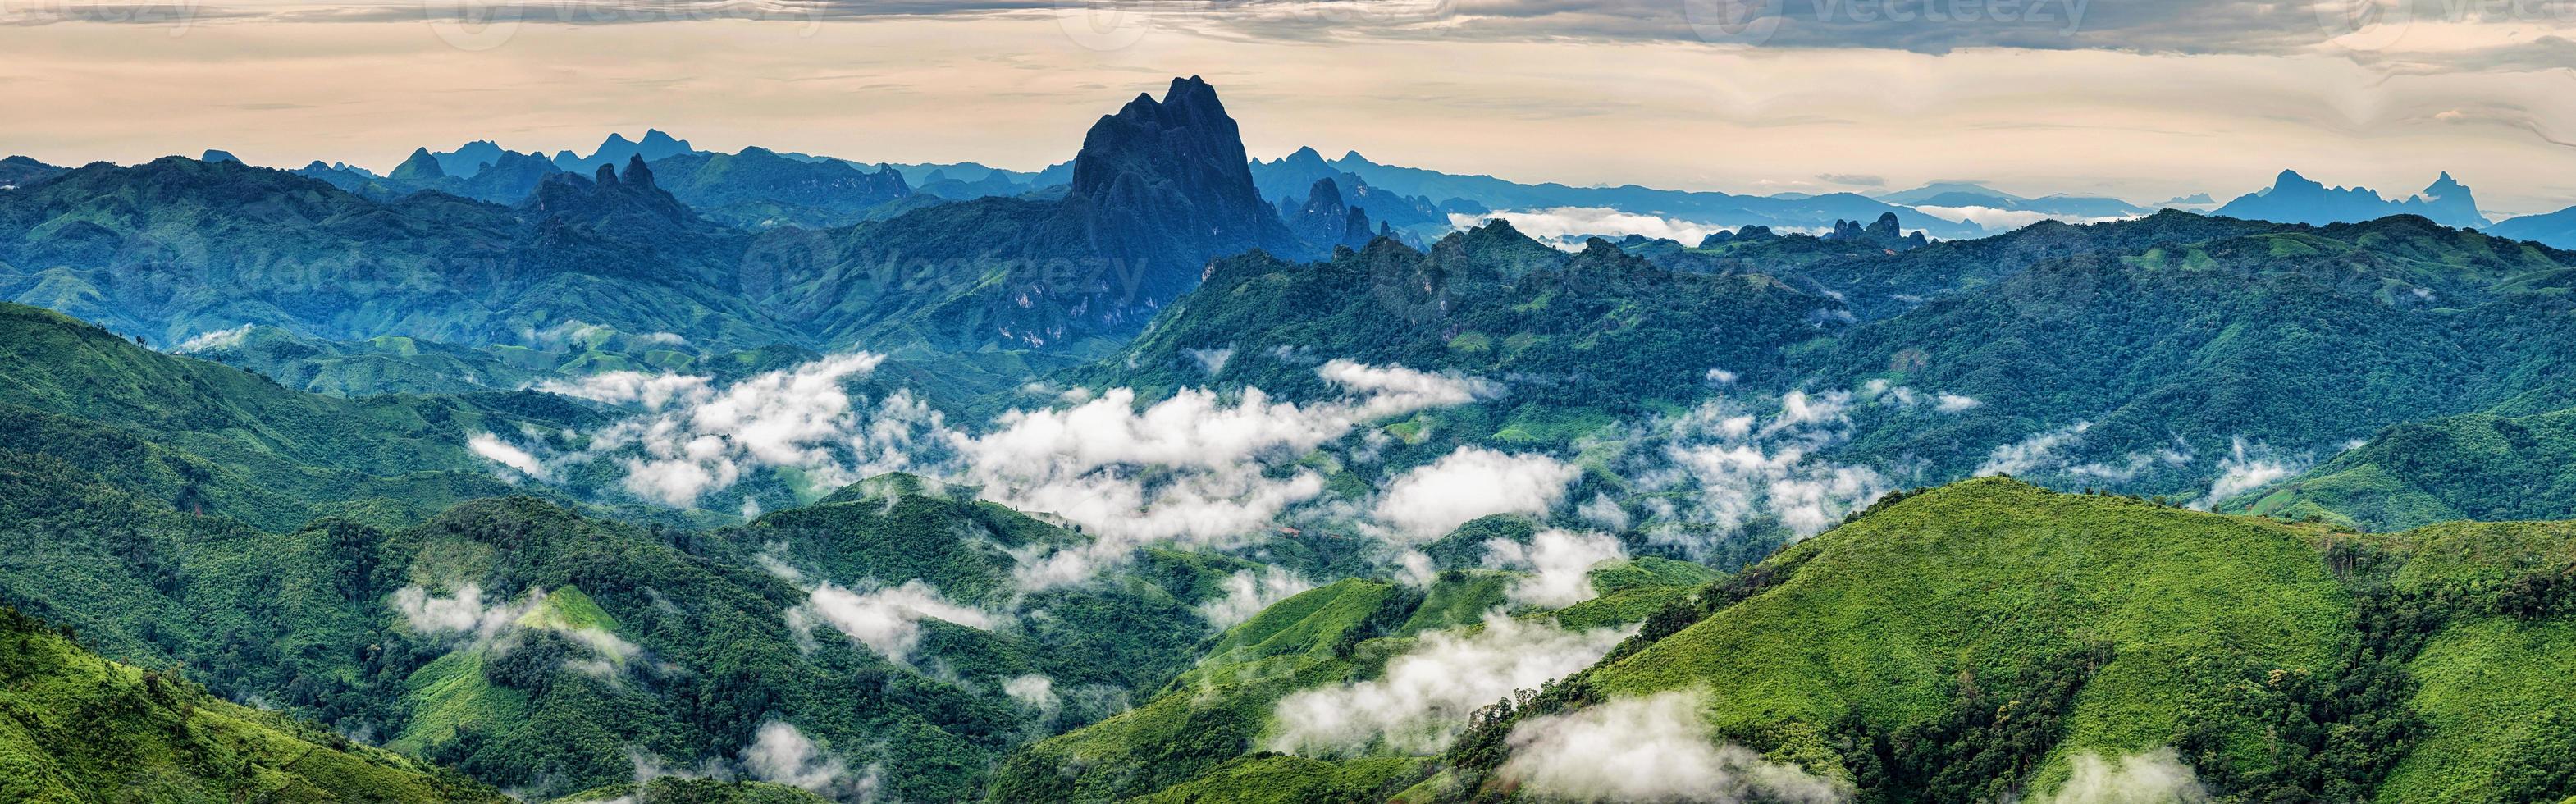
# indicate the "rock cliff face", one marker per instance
pixel 628 202
pixel 1158 190
pixel 1324 221
pixel 1165 186
pixel 1885 232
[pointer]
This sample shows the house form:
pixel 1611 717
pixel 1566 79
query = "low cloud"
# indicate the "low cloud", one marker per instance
pixel 1420 702
pixel 2155 777
pixel 1033 691
pixel 800 417
pixel 780 753
pixel 1953 403
pixel 1472 482
pixel 1605 512
pixel 2052 454
pixel 2033 453
pixel 462 612
pixel 1201 468
pixel 466 614
pixel 1211 360
pixel 1197 468
pixel 1745 464
pixel 1560 563
pixel 1568 227
pixel 1649 749
pixel 2247 468
pixel 886 620
pixel 651 391
pixel 1247 593
pixel 493 449
pixel 210 341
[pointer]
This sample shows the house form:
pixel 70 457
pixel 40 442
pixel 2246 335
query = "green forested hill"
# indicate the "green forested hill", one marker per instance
pixel 2278 660
pixel 536 649
pixel 2480 466
pixel 1597 328
pixel 1979 641
pixel 205 437
pixel 1206 736
pixel 179 247
pixel 2301 339
pixel 78 728
pixel 1879 284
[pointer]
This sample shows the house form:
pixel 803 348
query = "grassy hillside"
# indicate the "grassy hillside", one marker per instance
pixel 584 641
pixel 2479 466
pixel 81 728
pixel 1211 714
pixel 1990 579
pixel 208 437
pixel 2283 662
pixel 1199 739
pixel 2492 672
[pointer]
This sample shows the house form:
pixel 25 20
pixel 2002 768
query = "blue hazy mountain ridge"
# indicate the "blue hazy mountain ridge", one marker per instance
pixel 617 150
pixel 1290 180
pixel 961 181
pixel 18 171
pixel 177 248
pixel 501 177
pixel 2556 229
pixel 1972 194
pixel 2293 198
pixel 1712 208
pixel 757 188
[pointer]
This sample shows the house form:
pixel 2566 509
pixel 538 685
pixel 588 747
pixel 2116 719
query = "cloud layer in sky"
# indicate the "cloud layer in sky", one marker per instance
pixel 2147 101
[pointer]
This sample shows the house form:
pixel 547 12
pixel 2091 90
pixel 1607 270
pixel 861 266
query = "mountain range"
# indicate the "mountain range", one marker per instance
pixel 2293 198
pixel 1172 475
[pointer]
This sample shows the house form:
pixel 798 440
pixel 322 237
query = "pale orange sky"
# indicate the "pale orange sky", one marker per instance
pixel 1017 89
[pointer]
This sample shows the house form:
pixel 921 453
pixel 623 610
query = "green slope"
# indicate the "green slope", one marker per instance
pixel 1970 641
pixel 2478 466
pixel 2494 672
pixel 1211 714
pixel 1195 741
pixel 669 643
pixel 2300 339
pixel 1596 329
pixel 178 247
pixel 80 728
pixel 208 437
pixel 1988 577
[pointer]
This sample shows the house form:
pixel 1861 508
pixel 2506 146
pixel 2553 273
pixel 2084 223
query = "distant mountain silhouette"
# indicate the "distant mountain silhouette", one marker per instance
pixel 2558 229
pixel 2293 198
pixel 1885 232
pixel 617 150
pixel 759 188
pixel 20 171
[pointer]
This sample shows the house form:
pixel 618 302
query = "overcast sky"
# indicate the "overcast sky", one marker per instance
pixel 2143 100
